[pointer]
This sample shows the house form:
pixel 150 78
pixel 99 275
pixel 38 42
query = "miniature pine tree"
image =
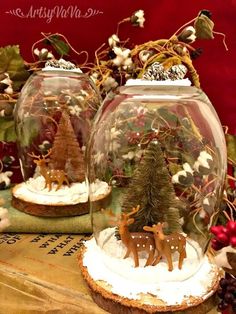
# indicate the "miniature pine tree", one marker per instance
pixel 66 153
pixel 151 188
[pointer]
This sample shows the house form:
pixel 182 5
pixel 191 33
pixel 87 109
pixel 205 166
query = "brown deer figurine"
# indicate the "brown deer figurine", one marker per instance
pixel 50 175
pixel 168 244
pixel 135 241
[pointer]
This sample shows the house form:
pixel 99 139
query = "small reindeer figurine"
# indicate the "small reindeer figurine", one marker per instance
pixel 50 175
pixel 166 245
pixel 135 241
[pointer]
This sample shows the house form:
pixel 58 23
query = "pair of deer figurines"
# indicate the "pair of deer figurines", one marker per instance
pixel 153 242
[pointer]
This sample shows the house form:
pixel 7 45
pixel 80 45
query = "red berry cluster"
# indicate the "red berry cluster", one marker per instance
pixel 224 236
pixel 227 294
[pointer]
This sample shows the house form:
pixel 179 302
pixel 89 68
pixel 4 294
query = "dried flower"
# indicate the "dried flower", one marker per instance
pixel 113 40
pixel 137 19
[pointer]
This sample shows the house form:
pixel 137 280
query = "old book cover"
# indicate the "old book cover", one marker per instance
pixel 39 273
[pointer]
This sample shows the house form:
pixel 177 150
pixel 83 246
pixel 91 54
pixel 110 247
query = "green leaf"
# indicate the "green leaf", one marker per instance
pixel 204 27
pixel 231 146
pixel 59 45
pixel 7 130
pixel 12 63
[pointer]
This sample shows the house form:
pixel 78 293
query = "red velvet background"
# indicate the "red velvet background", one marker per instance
pixel 217 67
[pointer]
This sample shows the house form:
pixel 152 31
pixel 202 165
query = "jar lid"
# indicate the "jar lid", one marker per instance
pixel 141 82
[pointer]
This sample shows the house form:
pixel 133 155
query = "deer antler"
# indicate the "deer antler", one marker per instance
pixel 34 156
pixel 40 156
pixel 134 210
pixel 48 153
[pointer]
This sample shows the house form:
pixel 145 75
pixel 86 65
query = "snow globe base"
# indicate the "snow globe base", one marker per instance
pixel 65 202
pixel 115 293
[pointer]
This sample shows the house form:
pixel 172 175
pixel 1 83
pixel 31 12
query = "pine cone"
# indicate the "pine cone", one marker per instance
pixel 158 73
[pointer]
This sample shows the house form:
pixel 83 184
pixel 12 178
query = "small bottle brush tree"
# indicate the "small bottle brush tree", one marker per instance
pixel 151 188
pixel 66 153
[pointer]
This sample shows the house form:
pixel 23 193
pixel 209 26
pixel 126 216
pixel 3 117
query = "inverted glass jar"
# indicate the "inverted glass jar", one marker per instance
pixel 53 118
pixel 161 150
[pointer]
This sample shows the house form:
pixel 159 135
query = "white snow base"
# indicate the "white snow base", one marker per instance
pixel 175 287
pixel 34 191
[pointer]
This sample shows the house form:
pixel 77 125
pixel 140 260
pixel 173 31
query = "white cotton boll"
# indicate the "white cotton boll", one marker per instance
pixel 192 38
pixel 191 29
pixel 205 155
pixel 36 51
pixel 175 178
pixel 187 167
pixel 113 40
pixel 140 15
pixel 43 50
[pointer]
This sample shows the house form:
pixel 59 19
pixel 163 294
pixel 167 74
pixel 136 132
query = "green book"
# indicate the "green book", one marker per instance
pixel 25 223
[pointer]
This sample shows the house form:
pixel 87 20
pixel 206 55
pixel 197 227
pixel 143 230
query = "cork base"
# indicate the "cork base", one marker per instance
pixel 113 303
pixel 55 210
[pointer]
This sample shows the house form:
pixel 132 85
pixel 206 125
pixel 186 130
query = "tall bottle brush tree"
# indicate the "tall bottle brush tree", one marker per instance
pixel 152 189
pixel 66 153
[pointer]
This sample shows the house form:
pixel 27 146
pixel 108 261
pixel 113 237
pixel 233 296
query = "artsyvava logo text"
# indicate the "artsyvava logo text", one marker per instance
pixel 56 12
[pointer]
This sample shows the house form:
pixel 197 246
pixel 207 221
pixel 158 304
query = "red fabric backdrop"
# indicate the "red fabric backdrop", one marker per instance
pixel 217 67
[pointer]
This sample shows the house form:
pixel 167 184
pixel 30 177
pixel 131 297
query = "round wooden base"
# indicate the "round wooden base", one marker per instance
pixel 56 210
pixel 115 304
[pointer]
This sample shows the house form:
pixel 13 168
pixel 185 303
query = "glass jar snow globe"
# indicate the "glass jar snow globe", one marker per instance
pixel 160 152
pixel 53 118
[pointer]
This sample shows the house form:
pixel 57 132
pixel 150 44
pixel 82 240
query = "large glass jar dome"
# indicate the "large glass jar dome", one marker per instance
pixel 53 118
pixel 161 150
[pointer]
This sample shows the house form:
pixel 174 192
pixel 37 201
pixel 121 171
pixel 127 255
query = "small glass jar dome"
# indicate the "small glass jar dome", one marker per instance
pixel 53 118
pixel 161 151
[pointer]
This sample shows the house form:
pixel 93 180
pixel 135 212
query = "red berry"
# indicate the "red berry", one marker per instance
pixel 216 230
pixel 233 241
pixel 216 245
pixel 231 227
pixel 223 238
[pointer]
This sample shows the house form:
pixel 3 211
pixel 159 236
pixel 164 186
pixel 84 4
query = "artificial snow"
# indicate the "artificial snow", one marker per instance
pixel 34 191
pixel 127 281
